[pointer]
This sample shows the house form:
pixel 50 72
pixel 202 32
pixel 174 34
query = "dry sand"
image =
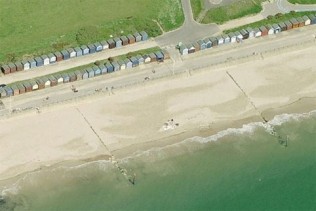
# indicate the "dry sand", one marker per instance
pixel 132 119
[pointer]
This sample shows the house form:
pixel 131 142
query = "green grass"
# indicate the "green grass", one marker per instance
pixel 271 20
pixel 34 27
pixel 302 1
pixel 82 67
pixel 234 10
pixel 197 7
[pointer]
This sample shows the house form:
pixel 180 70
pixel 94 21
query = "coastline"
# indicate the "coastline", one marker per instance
pixel 130 120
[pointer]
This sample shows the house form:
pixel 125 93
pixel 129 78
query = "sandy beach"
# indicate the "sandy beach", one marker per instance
pixel 134 118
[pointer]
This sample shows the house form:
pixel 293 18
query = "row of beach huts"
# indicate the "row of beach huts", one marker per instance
pixel 74 52
pixel 90 72
pixel 247 33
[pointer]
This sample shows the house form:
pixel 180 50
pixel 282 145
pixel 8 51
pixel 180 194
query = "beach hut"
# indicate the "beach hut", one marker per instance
pixel 66 77
pixel 78 74
pixel 116 66
pixel 140 59
pixel 226 38
pixel 201 44
pixel 220 40
pixel 208 43
pixel 109 67
pixel 105 45
pixel 78 51
pixel 40 83
pixel 72 52
pixel 153 57
pixel 5 69
pixel 90 72
pixel 232 36
pixel 300 21
pixel 111 43
pixel 196 46
pixel 72 77
pixel 134 61
pixel 26 65
pixel 165 54
pixel 191 48
pixel 32 63
pixel 214 41
pixel 183 50
pixel 19 66
pixel 53 80
pixel 85 50
pixel 159 56
pixel 97 70
pixel 307 21
pixel 8 90
pixel 294 22
pixel 34 85
pixel 85 74
pixel 282 26
pixel 92 48
pixel 59 56
pixel 288 25
pixel 131 39
pixel 244 34
pixel 12 67
pixel 257 32
pixel 147 59
pixel 144 35
pixel 251 32
pixel 39 61
pixel 98 47
pixel 65 54
pixel 137 36
pixel 118 42
pixel 45 59
pixel 122 64
pixel 28 86
pixel 264 30
pixel 124 40
pixel 276 28
pixel 15 90
pixel 128 63
pixel 312 18
pixel 59 78
pixel 103 69
pixel 52 58
pixel 238 36
pixel 21 88
pixel 46 81
pixel 270 29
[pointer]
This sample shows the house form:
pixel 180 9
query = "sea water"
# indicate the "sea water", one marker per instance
pixel 236 169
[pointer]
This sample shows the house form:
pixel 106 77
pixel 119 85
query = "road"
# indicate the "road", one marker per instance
pixel 230 54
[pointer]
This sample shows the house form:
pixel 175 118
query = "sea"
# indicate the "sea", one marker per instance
pixel 256 167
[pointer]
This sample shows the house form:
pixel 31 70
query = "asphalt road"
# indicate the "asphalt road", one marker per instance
pixel 225 55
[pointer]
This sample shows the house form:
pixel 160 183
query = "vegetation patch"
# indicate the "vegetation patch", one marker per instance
pixel 302 1
pixel 33 28
pixel 197 7
pixel 238 9
pixel 271 20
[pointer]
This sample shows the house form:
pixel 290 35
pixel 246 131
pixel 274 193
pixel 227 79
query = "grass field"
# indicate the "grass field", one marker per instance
pixel 272 20
pixel 235 10
pixel 302 1
pixel 197 7
pixel 32 27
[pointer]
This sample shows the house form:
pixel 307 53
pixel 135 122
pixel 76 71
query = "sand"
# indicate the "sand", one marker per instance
pixel 132 119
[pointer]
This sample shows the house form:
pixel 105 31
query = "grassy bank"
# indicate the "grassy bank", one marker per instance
pixel 302 1
pixel 234 10
pixel 30 28
pixel 197 7
pixel 82 67
pixel 271 20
